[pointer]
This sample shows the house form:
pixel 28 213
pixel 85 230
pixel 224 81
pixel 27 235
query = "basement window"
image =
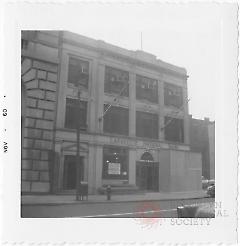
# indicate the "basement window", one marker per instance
pixel 173 129
pixel 78 72
pixel 73 111
pixel 147 89
pixel 173 95
pixel 116 81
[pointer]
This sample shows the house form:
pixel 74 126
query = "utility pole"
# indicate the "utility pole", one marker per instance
pixel 78 174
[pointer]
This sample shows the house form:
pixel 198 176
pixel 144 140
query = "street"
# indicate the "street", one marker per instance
pixel 160 209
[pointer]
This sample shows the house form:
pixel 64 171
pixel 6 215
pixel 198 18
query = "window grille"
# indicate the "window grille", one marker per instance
pixel 78 72
pixel 115 81
pixel 147 89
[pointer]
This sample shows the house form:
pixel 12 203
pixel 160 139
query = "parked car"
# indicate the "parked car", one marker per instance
pixel 211 190
pixel 204 183
pixel 205 210
pixel 207 182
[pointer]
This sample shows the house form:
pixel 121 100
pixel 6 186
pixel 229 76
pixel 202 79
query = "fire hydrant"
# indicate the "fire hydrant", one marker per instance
pixel 108 191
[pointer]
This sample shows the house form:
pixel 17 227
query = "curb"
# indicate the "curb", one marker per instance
pixel 106 202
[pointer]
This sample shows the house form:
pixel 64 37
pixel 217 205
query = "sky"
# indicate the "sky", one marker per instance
pixel 186 35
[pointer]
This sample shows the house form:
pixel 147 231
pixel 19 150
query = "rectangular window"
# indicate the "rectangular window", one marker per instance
pixel 147 89
pixel 73 111
pixel 173 95
pixel 116 120
pixel 115 163
pixel 173 129
pixel 146 125
pixel 78 72
pixel 116 81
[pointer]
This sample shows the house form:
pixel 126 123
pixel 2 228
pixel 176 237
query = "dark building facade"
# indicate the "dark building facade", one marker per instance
pixel 202 139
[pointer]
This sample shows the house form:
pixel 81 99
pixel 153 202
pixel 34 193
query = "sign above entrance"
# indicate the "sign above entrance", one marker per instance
pixel 144 144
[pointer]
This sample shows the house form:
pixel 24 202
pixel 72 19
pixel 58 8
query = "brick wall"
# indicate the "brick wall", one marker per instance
pixel 39 79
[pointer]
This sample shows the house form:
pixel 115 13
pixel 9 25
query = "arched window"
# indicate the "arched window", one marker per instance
pixel 147 157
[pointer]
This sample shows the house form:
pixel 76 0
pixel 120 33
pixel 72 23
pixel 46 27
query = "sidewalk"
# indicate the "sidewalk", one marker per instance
pixel 70 199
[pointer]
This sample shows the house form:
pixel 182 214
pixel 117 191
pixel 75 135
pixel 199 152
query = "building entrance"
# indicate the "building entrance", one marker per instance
pixel 70 172
pixel 147 173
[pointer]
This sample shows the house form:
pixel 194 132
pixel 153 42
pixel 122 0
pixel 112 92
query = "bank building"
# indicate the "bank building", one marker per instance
pixel 134 122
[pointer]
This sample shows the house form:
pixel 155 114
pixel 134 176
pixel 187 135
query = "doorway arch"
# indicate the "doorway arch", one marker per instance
pixel 146 156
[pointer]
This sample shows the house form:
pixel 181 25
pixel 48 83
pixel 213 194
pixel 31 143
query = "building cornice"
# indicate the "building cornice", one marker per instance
pixel 126 58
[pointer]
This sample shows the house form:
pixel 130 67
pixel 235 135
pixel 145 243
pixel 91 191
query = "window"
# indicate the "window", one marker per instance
pixel 73 111
pixel 147 89
pixel 115 163
pixel 147 125
pixel 116 120
pixel 116 81
pixel 173 129
pixel 78 72
pixel 173 95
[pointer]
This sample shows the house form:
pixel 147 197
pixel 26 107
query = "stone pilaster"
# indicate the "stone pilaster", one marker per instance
pixel 100 98
pixel 132 104
pixel 93 122
pixel 161 110
pixel 92 170
pixel 132 167
pixel 186 117
pixel 99 164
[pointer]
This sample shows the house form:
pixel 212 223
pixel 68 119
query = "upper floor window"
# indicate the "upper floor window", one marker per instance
pixel 76 113
pixel 116 81
pixel 116 120
pixel 147 89
pixel 173 129
pixel 173 95
pixel 78 72
pixel 146 125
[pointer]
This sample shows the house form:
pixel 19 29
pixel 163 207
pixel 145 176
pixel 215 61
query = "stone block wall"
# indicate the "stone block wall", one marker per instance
pixel 40 81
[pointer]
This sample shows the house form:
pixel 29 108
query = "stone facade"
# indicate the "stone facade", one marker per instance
pixel 39 78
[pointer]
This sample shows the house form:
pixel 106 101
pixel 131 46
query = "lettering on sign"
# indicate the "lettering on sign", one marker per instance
pixel 142 144
pixel 114 168
pixel 122 141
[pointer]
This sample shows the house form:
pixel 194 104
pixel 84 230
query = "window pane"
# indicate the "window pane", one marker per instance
pixel 147 125
pixel 147 89
pixel 116 81
pixel 73 112
pixel 174 130
pixel 78 72
pixel 115 163
pixel 173 95
pixel 116 120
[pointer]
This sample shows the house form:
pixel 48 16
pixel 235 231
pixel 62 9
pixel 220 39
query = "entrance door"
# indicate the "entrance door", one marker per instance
pixel 147 177
pixel 70 172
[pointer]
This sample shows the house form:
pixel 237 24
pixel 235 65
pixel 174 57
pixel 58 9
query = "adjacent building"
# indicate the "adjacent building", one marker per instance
pixel 134 122
pixel 202 140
